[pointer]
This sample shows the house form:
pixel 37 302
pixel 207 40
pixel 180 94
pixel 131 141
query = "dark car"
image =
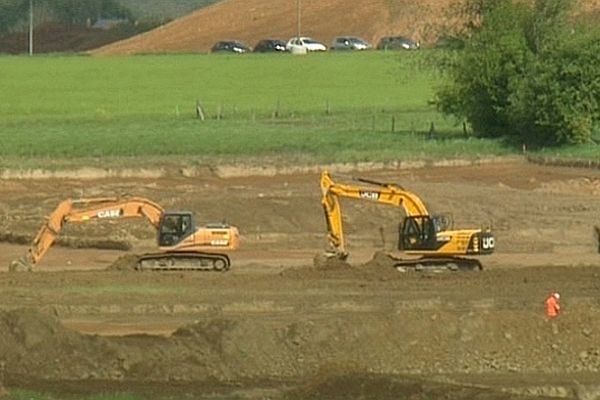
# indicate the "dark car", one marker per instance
pixel 270 45
pixel 349 43
pixel 397 43
pixel 230 46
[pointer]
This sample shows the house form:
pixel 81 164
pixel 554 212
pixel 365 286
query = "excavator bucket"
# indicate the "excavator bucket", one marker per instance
pixel 329 260
pixel 20 265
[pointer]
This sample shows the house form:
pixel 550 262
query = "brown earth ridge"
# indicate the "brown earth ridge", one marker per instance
pixel 253 20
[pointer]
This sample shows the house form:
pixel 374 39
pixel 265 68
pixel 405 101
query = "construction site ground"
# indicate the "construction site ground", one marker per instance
pixel 275 326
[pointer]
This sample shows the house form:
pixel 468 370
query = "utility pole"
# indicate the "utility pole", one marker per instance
pixel 30 27
pixel 298 13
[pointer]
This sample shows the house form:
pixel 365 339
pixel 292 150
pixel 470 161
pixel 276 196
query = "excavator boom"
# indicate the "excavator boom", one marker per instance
pixel 382 193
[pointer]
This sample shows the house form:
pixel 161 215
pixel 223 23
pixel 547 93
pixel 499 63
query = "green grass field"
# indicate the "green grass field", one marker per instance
pixel 334 107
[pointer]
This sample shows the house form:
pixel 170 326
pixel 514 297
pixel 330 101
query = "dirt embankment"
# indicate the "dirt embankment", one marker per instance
pixel 417 342
pixel 253 20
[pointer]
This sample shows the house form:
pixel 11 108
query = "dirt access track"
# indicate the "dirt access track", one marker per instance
pixel 276 327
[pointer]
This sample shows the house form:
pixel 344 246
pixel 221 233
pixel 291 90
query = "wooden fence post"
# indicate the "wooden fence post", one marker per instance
pixel 199 110
pixel 219 112
pixel 431 131
pixel 277 108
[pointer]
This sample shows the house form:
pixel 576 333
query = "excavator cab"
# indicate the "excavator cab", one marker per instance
pixel 419 232
pixel 174 227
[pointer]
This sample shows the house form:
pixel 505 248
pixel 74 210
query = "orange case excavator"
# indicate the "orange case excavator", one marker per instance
pixel 182 245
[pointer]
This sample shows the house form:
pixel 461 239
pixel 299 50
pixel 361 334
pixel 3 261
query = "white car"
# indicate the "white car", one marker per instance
pixel 304 44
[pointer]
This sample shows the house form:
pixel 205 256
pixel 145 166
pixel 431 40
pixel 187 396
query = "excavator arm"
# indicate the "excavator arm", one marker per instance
pixel 84 210
pixel 382 193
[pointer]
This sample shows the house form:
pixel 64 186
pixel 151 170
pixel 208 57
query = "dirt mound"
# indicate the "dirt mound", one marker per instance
pixel 71 242
pixel 127 262
pixel 323 261
pixel 417 341
pixel 380 387
pixel 252 20
pixel 331 267
pixel 36 344
pixel 15 238
pixel 381 260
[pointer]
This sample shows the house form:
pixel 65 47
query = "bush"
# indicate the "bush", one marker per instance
pixel 528 75
pixel 558 101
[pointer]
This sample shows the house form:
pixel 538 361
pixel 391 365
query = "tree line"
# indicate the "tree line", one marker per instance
pixel 67 12
pixel 528 73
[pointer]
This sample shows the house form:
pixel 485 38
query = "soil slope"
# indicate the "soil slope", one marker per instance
pixel 252 20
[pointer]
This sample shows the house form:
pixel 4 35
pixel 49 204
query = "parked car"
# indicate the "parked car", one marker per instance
pixel 349 43
pixel 270 45
pixel 304 43
pixel 229 46
pixel 397 43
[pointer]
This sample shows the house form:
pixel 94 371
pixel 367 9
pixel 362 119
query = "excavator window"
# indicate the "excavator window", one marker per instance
pixel 441 222
pixel 418 233
pixel 185 224
pixel 170 224
pixel 174 228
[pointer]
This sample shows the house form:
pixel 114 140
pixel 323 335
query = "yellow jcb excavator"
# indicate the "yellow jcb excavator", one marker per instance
pixel 182 245
pixel 425 237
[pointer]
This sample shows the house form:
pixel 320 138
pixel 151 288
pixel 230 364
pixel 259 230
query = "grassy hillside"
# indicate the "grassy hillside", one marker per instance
pixel 319 108
pixel 160 9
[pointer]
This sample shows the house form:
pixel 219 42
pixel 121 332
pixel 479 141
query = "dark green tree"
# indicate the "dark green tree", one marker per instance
pixel 527 73
pixel 69 12
pixel 549 24
pixel 559 99
pixel 79 11
pixel 11 12
pixel 484 74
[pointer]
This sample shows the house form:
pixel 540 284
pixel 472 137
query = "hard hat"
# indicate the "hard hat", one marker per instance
pixel 556 295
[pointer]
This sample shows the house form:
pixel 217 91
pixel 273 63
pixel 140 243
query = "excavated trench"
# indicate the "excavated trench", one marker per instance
pixel 277 326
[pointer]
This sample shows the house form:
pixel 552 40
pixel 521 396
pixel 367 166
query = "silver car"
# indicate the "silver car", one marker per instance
pixel 350 43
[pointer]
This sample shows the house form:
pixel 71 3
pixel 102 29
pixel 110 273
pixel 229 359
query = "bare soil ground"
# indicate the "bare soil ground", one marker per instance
pixel 277 327
pixel 253 20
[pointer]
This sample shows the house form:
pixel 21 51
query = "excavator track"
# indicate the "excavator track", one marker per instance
pixel 183 261
pixel 438 264
pixel 383 259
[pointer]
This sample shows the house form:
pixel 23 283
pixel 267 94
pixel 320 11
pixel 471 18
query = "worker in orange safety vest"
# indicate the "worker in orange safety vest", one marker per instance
pixel 553 305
